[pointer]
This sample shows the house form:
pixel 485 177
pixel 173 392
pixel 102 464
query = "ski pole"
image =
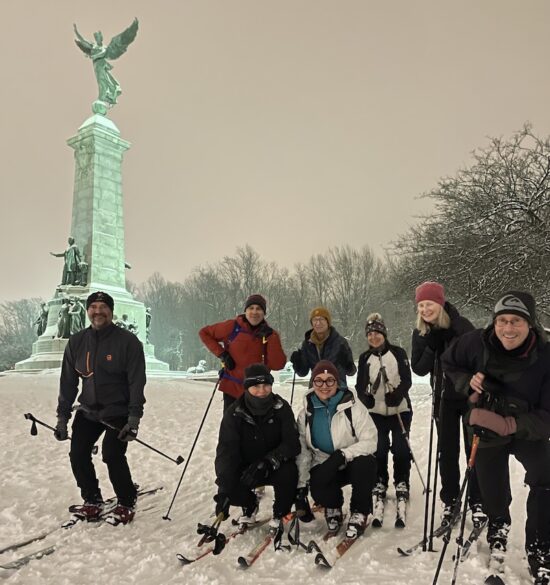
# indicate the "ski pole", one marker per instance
pixel 292 393
pixel 167 515
pixel 179 459
pixel 465 484
pixel 406 435
pixel 34 430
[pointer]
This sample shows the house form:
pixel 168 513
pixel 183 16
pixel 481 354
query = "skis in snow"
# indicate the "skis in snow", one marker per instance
pixel 440 531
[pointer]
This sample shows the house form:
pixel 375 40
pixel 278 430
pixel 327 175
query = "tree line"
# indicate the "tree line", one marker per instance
pixel 489 232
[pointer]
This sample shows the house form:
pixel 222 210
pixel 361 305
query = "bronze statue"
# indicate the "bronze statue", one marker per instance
pixel 72 261
pixel 64 320
pixel 42 319
pixel 77 315
pixel 109 88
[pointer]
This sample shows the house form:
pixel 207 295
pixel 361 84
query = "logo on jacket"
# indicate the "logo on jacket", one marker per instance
pixel 109 357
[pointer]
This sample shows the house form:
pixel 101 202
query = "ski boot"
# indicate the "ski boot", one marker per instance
pixel 333 516
pixel 497 537
pixel 450 514
pixel 402 495
pixel 248 516
pixel 120 515
pixel 478 515
pixel 538 557
pixel 356 525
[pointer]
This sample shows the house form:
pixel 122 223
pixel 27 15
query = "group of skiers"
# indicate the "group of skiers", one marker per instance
pixel 491 383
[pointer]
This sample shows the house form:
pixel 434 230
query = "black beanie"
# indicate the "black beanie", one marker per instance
pixel 517 303
pixel 100 297
pixel 256 300
pixel 257 374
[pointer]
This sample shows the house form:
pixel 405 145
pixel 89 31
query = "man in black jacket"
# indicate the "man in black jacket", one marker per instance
pixel 111 364
pixel 505 369
pixel 258 444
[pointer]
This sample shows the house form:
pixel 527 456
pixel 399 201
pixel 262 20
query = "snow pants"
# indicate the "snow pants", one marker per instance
pixel 85 433
pixel 284 481
pixel 326 489
pixel 449 428
pixel 494 480
pixel 386 425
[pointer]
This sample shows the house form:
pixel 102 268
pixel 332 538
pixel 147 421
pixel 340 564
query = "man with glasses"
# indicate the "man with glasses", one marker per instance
pixel 505 369
pixel 323 342
pixel 338 440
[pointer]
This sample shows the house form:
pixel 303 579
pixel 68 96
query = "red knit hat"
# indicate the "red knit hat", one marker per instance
pixel 430 291
pixel 324 367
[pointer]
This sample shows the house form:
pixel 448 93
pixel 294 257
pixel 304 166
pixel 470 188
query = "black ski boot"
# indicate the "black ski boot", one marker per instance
pixel 538 557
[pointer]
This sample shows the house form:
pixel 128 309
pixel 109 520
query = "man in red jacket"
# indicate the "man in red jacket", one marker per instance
pixel 240 342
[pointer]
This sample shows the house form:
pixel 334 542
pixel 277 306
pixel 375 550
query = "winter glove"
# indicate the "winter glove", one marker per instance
pixel 296 359
pixel 333 464
pixel 256 473
pixel 130 430
pixel 227 360
pixel 393 399
pixel 61 433
pixel 367 399
pixel 301 503
pixel 222 505
pixel 486 419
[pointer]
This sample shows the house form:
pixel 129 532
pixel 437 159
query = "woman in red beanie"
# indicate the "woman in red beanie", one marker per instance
pixel 438 324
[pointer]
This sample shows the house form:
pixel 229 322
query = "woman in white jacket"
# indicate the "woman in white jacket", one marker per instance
pixel 383 382
pixel 338 441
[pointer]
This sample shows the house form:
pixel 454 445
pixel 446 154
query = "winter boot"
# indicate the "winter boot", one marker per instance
pixel 450 515
pixel 478 515
pixel 275 526
pixel 120 515
pixel 538 556
pixel 333 516
pixel 379 491
pixel 497 535
pixel 356 525
pixel 402 491
pixel 249 514
pixel 90 511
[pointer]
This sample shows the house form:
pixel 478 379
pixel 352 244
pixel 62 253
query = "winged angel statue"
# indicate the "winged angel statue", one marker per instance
pixel 109 88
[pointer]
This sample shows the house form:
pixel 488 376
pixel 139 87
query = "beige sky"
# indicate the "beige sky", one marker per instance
pixel 291 125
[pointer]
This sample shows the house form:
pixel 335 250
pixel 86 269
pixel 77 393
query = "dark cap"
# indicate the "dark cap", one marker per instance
pixel 324 367
pixel 256 300
pixel 517 303
pixel 257 374
pixel 100 297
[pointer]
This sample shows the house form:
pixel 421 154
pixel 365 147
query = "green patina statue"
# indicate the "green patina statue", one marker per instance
pixel 109 88
pixel 72 260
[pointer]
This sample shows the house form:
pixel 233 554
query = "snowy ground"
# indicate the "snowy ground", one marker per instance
pixel 37 486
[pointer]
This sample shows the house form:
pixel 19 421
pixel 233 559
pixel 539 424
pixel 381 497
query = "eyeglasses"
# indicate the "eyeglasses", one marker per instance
pixel 318 320
pixel 516 322
pixel 328 382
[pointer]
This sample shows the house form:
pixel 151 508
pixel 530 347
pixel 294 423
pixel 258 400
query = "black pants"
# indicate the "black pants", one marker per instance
pixel 386 425
pixel 85 433
pixel 326 489
pixel 284 481
pixel 494 480
pixel 450 426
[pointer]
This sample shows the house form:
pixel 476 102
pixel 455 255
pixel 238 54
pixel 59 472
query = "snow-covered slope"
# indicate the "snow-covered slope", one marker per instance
pixel 37 486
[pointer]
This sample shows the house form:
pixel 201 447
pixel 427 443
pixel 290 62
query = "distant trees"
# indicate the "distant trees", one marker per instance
pixel 491 228
pixel 17 330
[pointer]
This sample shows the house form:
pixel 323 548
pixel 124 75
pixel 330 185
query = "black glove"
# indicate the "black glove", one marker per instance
pixel 130 430
pixel 256 473
pixel 393 398
pixel 334 463
pixel 61 433
pixel 296 359
pixel 303 509
pixel 367 399
pixel 222 505
pixel 227 360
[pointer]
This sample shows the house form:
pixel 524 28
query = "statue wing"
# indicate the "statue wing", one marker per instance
pixel 82 43
pixel 119 43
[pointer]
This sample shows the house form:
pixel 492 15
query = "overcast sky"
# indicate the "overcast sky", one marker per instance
pixel 291 125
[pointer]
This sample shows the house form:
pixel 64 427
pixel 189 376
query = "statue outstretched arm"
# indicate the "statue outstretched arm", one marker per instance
pixel 84 45
pixel 120 42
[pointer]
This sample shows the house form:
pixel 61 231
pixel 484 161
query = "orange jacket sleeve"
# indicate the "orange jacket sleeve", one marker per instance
pixel 276 358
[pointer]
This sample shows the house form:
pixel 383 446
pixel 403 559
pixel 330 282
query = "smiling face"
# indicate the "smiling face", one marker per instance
pixel 325 386
pixel 320 325
pixel 260 390
pixel 375 339
pixel 100 315
pixel 511 330
pixel 254 314
pixel 429 311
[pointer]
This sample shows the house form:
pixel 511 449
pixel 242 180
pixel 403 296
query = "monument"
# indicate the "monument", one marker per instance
pixel 95 256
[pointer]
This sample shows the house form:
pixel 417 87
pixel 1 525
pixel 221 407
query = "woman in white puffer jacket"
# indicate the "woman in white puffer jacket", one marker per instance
pixel 338 440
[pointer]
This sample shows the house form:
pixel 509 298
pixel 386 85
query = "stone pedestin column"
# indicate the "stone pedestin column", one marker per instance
pixel 98 229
